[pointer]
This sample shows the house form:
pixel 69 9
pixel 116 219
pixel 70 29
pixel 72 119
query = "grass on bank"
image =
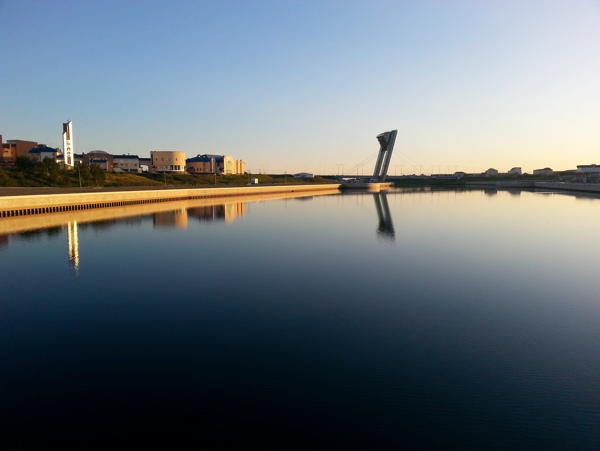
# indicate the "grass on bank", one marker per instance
pixel 49 175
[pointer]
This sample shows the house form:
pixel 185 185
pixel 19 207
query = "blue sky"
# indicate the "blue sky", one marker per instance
pixel 307 85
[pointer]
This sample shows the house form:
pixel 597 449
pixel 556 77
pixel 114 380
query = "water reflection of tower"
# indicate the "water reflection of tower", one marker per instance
pixel 73 239
pixel 386 227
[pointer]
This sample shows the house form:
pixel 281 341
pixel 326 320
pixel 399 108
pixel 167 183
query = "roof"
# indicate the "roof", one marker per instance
pixel 44 149
pixel 206 158
pixel 132 157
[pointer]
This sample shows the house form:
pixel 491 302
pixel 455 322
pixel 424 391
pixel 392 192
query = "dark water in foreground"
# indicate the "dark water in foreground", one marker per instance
pixel 432 320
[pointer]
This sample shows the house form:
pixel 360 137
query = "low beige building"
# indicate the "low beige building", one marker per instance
pixel 167 161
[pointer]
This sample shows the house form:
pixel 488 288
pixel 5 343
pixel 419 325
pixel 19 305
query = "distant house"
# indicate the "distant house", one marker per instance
pixel 145 164
pixel 14 148
pixel 588 169
pixel 304 175
pixel 41 152
pixel 545 171
pixel 491 172
pixel 515 171
pixel 126 163
pixel 214 164
pixel 100 158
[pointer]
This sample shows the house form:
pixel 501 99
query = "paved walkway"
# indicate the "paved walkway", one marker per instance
pixel 17 191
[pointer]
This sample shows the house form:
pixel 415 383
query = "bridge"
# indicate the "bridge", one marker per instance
pixel 386 147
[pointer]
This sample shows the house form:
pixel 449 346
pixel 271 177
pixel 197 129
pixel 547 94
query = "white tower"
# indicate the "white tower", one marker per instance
pixel 386 143
pixel 68 144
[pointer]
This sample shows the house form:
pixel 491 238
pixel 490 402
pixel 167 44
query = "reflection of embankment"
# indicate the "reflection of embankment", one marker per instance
pixel 231 204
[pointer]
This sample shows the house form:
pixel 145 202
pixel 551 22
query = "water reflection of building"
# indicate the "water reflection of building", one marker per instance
pixel 208 213
pixel 226 212
pixel 172 218
pixel 234 210
pixel 386 226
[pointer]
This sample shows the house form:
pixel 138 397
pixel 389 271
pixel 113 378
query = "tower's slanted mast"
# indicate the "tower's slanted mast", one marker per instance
pixel 386 143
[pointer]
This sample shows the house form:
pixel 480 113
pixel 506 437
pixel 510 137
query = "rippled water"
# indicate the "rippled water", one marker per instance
pixel 440 320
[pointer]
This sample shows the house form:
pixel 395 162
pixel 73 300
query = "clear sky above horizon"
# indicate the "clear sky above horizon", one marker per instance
pixel 307 85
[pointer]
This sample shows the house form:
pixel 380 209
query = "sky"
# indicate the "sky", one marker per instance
pixel 291 85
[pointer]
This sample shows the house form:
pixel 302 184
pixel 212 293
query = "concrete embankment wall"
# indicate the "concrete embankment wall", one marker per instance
pixel 582 187
pixel 555 186
pixel 26 205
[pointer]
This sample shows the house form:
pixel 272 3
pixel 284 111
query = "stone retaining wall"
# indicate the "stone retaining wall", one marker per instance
pixel 11 206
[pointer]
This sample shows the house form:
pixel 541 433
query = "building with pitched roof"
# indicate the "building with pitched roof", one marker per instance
pixel 41 152
pixel 214 164
pixel 126 163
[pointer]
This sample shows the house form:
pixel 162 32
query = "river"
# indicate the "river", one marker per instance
pixel 409 319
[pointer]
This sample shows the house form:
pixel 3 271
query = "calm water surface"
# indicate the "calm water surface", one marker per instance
pixel 434 320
